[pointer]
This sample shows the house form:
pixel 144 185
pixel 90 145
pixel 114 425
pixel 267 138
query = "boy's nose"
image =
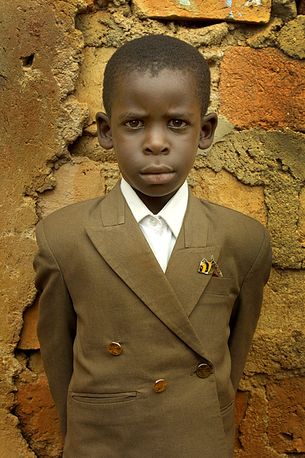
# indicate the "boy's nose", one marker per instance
pixel 156 142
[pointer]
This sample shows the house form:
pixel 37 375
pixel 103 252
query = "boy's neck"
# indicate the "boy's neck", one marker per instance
pixel 155 204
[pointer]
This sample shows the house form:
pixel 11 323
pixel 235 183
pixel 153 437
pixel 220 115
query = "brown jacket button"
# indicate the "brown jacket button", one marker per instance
pixel 203 370
pixel 115 348
pixel 160 385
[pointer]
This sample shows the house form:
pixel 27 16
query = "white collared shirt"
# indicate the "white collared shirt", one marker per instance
pixel 161 230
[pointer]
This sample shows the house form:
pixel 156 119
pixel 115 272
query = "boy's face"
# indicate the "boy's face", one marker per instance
pixel 156 127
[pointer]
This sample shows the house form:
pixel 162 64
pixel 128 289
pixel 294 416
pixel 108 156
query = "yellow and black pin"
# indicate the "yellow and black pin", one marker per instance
pixel 209 267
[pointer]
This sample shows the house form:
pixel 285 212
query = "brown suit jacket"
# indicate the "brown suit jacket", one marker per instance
pixel 100 283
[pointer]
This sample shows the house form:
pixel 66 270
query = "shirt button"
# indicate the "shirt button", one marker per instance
pixel 160 385
pixel 115 348
pixel 204 370
pixel 153 221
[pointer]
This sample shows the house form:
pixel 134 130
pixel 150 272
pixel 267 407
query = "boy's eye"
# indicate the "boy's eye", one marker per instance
pixel 134 124
pixel 177 123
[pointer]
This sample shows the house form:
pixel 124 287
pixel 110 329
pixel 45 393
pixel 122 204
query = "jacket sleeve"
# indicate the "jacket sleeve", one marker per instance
pixel 247 308
pixel 56 324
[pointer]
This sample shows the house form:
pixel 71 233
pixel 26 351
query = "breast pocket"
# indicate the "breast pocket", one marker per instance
pixel 220 286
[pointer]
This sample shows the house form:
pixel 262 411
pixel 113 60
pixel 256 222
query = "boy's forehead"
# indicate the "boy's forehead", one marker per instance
pixel 168 87
pixel 186 77
pixel 172 82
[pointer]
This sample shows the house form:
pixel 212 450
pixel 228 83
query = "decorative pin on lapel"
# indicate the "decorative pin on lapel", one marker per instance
pixel 208 267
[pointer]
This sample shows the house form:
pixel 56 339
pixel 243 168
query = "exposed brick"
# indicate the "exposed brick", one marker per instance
pixel 238 10
pixel 241 404
pixel 252 427
pixel 38 418
pixel 286 411
pixel 28 338
pixel 253 441
pixel 262 87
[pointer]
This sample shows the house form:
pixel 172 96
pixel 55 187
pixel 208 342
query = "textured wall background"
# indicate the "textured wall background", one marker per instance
pixel 52 55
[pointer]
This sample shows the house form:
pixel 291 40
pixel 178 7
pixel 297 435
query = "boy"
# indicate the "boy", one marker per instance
pixel 150 297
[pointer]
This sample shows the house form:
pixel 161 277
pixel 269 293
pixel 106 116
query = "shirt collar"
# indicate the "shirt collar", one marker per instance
pixel 172 213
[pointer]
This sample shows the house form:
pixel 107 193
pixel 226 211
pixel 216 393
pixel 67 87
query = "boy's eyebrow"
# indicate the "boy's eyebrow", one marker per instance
pixel 180 114
pixel 172 114
pixel 131 114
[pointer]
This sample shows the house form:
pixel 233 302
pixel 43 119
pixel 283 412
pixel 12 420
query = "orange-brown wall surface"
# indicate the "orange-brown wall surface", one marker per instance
pixel 52 55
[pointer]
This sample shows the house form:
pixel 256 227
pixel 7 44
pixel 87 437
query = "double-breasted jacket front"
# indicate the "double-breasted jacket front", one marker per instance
pixel 143 363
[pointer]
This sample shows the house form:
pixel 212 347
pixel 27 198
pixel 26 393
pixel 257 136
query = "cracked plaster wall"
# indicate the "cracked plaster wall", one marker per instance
pixel 52 55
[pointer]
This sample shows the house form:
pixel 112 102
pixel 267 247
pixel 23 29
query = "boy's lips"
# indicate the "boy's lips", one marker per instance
pixel 156 169
pixel 157 174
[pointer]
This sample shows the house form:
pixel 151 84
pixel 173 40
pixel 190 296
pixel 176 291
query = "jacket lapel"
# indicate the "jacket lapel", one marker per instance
pixel 191 247
pixel 112 226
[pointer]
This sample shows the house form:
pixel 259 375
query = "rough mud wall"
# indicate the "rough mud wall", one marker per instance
pixel 52 55
pixel 39 57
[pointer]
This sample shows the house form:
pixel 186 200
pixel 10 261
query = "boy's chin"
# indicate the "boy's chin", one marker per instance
pixel 156 193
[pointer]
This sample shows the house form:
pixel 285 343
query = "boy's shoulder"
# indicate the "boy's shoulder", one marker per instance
pixel 75 210
pixel 230 215
pixel 69 219
pixel 242 232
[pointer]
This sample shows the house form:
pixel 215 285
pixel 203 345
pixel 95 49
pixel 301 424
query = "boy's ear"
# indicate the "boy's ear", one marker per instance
pixel 104 130
pixel 208 126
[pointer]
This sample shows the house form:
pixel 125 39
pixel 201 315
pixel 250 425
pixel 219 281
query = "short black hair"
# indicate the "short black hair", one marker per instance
pixel 154 53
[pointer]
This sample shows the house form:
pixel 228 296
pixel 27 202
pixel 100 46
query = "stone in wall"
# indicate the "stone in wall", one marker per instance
pixel 202 37
pixel 262 87
pixel 291 39
pixel 266 35
pixel 239 10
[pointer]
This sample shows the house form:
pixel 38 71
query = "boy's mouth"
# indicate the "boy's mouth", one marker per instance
pixel 157 174
pixel 156 169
